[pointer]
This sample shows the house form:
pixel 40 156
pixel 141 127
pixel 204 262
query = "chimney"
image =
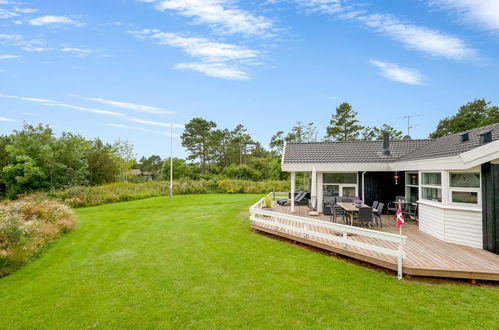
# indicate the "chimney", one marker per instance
pixel 386 144
pixel 485 137
pixel 465 137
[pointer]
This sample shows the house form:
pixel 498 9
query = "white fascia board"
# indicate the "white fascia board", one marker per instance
pixel 481 155
pixel 283 153
pixel 336 167
pixel 445 163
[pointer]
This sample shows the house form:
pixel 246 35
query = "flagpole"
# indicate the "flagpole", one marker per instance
pixel 171 161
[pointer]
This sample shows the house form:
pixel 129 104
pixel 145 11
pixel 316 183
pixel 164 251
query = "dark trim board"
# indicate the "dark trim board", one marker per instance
pixel 490 202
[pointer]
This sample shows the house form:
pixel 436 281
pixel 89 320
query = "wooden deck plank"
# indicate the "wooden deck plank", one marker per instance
pixel 426 255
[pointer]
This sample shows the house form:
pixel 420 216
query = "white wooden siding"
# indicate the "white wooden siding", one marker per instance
pixel 463 227
pixel 431 220
pixel 454 226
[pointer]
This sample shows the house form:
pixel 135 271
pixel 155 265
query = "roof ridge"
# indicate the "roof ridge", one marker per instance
pixel 361 141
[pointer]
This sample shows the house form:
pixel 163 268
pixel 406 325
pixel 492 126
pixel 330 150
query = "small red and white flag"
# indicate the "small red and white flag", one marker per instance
pixel 400 216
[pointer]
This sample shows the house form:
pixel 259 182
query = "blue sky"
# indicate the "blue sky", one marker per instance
pixel 126 69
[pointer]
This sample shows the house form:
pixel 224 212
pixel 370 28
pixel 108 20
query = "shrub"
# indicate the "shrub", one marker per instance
pixel 26 226
pixel 267 202
pixel 116 192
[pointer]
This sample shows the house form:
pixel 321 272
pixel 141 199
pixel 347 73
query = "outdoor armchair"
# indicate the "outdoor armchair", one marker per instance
pixel 393 206
pixel 379 212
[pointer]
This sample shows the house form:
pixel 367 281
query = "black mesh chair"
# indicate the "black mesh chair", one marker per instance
pixel 410 212
pixel 338 212
pixel 393 206
pixel 378 213
pixel 365 216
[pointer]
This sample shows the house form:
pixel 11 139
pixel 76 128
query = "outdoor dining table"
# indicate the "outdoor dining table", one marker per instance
pixel 350 209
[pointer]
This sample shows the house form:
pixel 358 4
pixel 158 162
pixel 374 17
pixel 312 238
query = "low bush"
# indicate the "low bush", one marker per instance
pixel 117 192
pixel 26 226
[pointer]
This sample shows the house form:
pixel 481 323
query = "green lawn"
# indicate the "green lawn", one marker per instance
pixel 194 263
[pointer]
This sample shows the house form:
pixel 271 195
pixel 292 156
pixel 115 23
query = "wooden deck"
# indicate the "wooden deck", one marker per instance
pixel 425 254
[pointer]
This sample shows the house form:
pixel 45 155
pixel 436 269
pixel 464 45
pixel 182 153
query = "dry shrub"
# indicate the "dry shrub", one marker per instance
pixel 27 225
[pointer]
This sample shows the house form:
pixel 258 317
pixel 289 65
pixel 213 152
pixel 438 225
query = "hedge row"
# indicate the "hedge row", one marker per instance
pixel 117 192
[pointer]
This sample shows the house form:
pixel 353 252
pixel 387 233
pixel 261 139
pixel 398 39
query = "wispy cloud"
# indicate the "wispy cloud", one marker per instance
pixel 220 60
pixel 202 48
pixel 3 119
pixel 130 106
pixel 32 45
pixel 52 103
pixel 397 73
pixel 222 15
pixel 10 37
pixel 78 52
pixel 54 20
pixel 9 57
pixel 12 9
pixel 154 123
pixel 141 129
pixel 216 70
pixel 484 13
pixel 420 38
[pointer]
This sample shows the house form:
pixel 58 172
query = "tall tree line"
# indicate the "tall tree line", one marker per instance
pixel 34 159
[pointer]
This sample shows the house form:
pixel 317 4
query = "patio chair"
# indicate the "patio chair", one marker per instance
pixel 328 205
pixel 393 206
pixel 337 213
pixel 365 216
pixel 411 212
pixel 299 198
pixel 378 213
pixel 375 204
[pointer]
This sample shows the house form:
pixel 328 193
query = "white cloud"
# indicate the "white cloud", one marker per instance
pixel 79 52
pixel 221 15
pixel 7 14
pixel 397 73
pixel 219 60
pixel 203 48
pixel 10 37
pixel 130 106
pixel 216 70
pixel 6 119
pixel 135 128
pixel 323 6
pixel 54 20
pixel 154 123
pixel 52 103
pixel 420 38
pixel 9 57
pixel 26 45
pixel 484 13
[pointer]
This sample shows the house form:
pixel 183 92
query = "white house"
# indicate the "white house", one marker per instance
pixel 454 179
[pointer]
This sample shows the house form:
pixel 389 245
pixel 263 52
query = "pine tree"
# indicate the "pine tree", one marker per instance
pixel 343 125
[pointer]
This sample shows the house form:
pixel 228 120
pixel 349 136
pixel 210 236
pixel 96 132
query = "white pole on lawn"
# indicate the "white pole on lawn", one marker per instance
pixel 401 248
pixel 171 161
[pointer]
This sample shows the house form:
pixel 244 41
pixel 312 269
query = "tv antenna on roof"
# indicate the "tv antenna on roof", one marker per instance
pixel 408 117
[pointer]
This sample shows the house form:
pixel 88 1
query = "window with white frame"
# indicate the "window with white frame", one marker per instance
pixel 431 186
pixel 464 187
pixel 339 184
pixel 412 186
